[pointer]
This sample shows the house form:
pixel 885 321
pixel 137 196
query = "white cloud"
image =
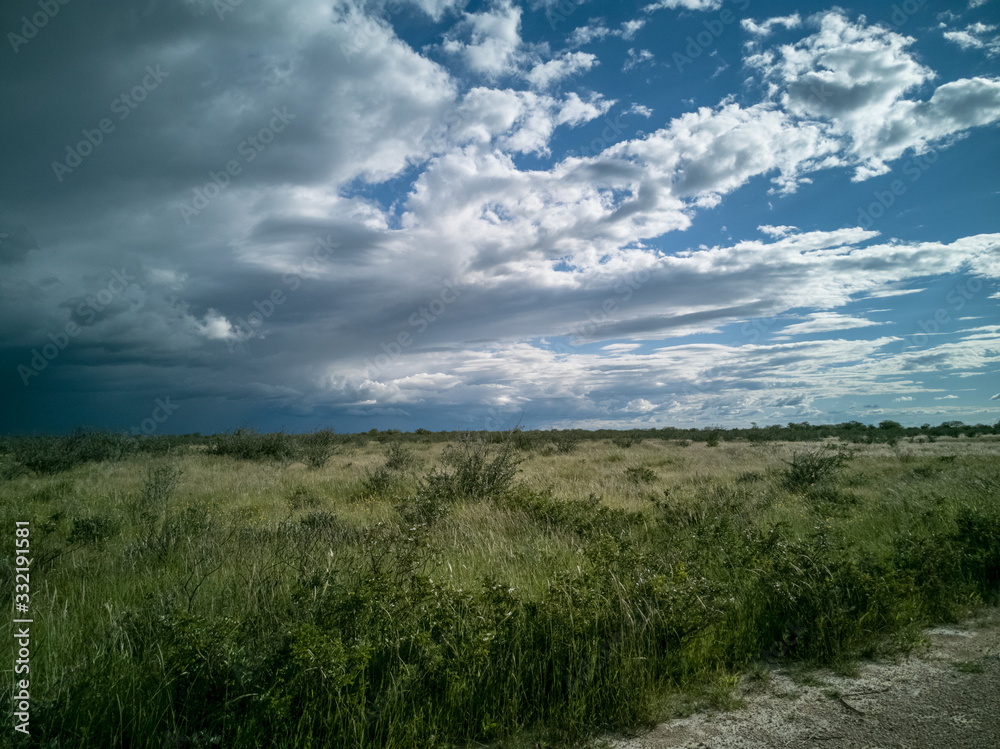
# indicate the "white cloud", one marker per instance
pixel 630 28
pixel 976 36
pixel 598 30
pixel 687 4
pixel 436 9
pixel 639 405
pixel 854 78
pixel 947 398
pixel 216 326
pixel 494 39
pixel 545 74
pixel 825 322
pixel 766 27
pixel 518 121
pixel 637 58
pixel 777 231
pixel 586 34
pixel 639 109
pixel 903 399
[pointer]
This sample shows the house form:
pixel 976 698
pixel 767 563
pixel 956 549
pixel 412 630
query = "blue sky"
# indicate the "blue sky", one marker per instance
pixel 447 214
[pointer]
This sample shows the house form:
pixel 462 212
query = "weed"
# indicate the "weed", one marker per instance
pixel 969 667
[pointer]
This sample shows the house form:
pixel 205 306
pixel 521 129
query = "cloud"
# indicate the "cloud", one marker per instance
pixel 637 58
pixel 976 36
pixel 597 30
pixel 825 322
pixel 545 74
pixel 405 197
pixel 854 77
pixel 518 121
pixel 437 9
pixel 777 231
pixel 639 405
pixel 766 27
pixel 15 243
pixel 686 4
pixel 639 109
pixel 995 397
pixel 492 39
pixel 903 399
pixel 947 398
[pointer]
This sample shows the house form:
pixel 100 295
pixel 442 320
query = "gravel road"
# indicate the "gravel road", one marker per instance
pixel 944 697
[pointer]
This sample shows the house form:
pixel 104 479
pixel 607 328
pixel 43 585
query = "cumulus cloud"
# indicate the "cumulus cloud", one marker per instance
pixel 855 77
pixel 436 9
pixel 414 192
pixel 489 42
pixel 545 74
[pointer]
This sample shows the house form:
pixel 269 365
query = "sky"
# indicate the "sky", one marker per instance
pixel 467 215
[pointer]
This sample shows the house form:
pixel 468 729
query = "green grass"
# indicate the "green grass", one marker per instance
pixel 369 593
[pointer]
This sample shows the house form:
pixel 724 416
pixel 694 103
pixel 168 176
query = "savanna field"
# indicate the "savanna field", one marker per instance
pixel 515 589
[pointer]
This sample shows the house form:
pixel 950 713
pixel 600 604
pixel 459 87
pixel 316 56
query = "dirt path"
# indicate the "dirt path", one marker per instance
pixel 946 697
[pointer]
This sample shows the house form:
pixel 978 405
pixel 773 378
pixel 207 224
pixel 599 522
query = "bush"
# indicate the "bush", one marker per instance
pixel 398 457
pixel 317 447
pixel 92 529
pixel 640 475
pixel 247 443
pixel 379 481
pixel 806 469
pixel 47 455
pixel 477 469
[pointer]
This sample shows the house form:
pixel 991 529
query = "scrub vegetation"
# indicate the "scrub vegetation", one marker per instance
pixel 521 588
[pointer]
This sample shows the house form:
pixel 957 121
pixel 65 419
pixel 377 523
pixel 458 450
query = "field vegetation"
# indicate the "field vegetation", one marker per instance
pixel 521 588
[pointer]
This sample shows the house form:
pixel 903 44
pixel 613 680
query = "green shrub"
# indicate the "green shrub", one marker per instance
pixel 379 481
pixel 47 455
pixel 477 469
pixel 316 448
pixel 400 458
pixel 808 468
pixel 640 475
pixel 92 529
pixel 247 443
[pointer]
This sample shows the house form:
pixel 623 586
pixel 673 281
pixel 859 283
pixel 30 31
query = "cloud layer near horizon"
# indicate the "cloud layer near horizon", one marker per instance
pixel 315 218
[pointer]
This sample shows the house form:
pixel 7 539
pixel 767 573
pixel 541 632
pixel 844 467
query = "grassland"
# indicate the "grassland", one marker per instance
pixel 506 590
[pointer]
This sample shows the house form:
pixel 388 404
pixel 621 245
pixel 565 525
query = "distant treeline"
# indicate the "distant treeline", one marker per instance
pixel 51 454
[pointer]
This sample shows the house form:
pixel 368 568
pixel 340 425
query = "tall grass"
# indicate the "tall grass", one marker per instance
pixel 411 596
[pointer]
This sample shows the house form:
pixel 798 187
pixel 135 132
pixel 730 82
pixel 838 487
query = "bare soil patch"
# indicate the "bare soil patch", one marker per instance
pixel 945 695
